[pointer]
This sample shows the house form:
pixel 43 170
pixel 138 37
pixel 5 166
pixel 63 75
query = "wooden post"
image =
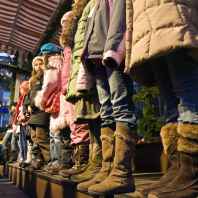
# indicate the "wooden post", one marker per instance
pixel 19 77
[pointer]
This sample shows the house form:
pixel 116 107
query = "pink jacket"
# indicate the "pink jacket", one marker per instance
pixel 51 83
pixel 79 132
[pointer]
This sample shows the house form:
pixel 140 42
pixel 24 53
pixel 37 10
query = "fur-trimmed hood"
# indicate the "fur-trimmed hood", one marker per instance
pixel 70 24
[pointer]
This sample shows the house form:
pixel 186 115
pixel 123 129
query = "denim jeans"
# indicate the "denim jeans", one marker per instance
pixel 8 137
pixel 176 77
pixel 115 91
pixel 23 141
pixel 55 146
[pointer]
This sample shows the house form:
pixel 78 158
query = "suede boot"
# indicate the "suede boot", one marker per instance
pixel 14 156
pixel 108 142
pixel 80 157
pixel 120 179
pixel 185 184
pixel 94 167
pixel 170 137
pixel 5 155
pixel 37 165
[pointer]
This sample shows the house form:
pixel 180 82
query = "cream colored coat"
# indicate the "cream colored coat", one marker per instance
pixel 156 28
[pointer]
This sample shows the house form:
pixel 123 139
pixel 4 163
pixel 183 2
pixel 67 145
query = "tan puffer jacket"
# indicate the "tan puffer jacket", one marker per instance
pixel 156 28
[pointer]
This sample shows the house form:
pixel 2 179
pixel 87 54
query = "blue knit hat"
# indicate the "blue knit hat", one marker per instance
pixel 49 48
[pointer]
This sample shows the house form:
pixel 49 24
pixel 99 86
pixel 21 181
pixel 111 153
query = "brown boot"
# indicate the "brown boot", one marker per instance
pixel 94 167
pixel 185 183
pixel 170 137
pixel 107 138
pixel 38 164
pixel 120 179
pixel 80 158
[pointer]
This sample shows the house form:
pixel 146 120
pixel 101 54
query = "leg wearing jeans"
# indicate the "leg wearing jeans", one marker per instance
pixel 55 146
pixel 6 138
pixel 14 145
pixel 115 91
pixel 23 141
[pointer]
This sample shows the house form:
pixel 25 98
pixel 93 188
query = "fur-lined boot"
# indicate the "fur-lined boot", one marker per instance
pixel 120 180
pixel 80 158
pixel 170 138
pixel 107 139
pixel 95 164
pixel 185 183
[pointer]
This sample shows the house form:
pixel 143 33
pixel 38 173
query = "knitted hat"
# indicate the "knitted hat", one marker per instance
pixel 25 86
pixel 65 17
pixel 36 58
pixel 49 48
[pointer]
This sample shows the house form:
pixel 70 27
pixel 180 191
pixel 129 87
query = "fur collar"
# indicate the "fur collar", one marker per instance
pixel 70 24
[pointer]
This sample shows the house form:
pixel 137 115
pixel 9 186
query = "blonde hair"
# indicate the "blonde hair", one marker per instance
pixel 36 76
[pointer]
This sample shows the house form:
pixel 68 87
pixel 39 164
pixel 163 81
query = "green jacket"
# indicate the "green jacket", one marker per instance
pixel 76 53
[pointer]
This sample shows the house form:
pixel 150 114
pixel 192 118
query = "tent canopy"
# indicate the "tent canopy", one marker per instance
pixel 28 24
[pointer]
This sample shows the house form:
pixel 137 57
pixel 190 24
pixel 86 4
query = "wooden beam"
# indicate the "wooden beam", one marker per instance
pixel 15 20
pixel 13 67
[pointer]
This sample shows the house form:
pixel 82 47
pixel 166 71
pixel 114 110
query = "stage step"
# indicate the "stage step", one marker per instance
pixel 41 185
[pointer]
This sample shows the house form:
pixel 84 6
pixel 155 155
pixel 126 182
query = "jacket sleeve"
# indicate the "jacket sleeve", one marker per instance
pixel 65 74
pixel 129 27
pixel 50 83
pixel 115 46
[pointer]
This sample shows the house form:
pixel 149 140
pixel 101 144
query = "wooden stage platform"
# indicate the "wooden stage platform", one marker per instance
pixel 37 184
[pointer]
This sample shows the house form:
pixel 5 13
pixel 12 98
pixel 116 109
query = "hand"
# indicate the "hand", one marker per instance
pixel 110 63
pixel 30 109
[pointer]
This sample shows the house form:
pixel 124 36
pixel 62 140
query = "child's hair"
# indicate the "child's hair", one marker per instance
pixel 45 61
pixel 35 77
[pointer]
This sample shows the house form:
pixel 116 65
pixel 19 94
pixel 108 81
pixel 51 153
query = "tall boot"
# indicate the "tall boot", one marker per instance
pixel 94 167
pixel 5 155
pixel 185 183
pixel 120 179
pixel 80 157
pixel 170 138
pixel 14 156
pixel 108 142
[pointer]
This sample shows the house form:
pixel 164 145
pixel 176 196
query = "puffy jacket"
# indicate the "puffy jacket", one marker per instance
pixel 157 28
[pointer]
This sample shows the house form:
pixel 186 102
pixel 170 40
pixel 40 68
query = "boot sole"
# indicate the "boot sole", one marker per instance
pixel 140 195
pixel 65 176
pixel 112 193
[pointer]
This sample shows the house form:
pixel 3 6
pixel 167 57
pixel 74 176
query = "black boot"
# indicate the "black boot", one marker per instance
pixel 14 156
pixel 80 158
pixel 5 155
pixel 169 137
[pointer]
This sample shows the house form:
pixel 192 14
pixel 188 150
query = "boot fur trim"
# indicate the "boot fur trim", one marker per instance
pixel 188 131
pixel 107 138
pixel 107 132
pixel 126 139
pixel 169 135
pixel 187 146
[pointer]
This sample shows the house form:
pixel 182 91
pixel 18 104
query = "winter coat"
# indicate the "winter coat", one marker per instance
pixel 157 28
pixel 10 120
pixel 18 110
pixel 105 32
pixel 51 84
pixel 37 117
pixel 51 81
pixel 72 93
